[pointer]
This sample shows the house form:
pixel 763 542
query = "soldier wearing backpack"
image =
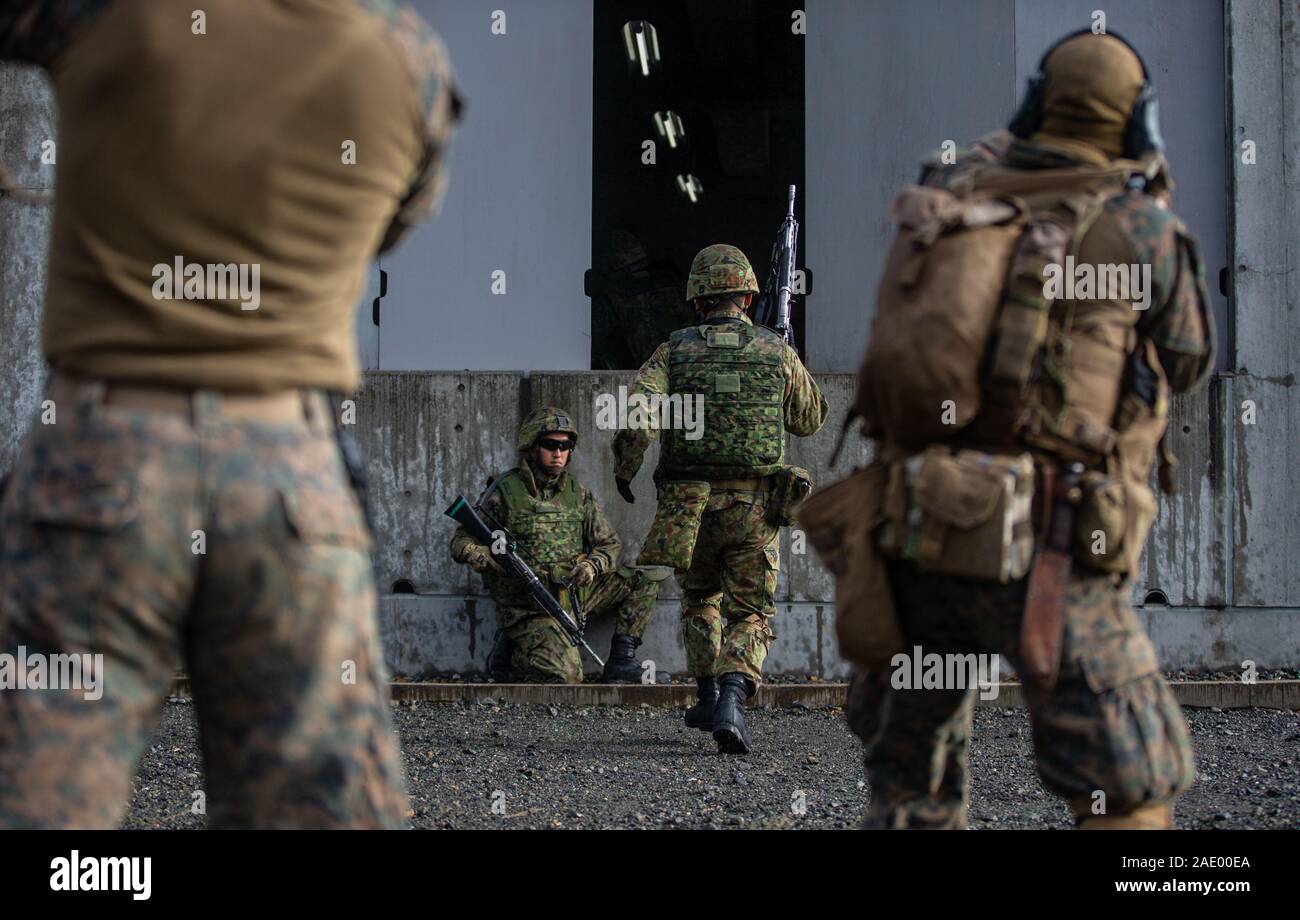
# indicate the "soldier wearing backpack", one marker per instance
pixel 1038 308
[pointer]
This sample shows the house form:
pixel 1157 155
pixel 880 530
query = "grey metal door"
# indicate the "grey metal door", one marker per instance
pixel 518 203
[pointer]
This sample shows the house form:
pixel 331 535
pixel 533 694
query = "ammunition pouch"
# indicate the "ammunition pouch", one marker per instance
pixel 790 487
pixel 966 513
pixel 840 522
pixel 672 536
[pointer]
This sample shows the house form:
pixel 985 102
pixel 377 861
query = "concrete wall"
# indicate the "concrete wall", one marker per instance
pixel 432 436
pixel 1264 95
pixel 27 119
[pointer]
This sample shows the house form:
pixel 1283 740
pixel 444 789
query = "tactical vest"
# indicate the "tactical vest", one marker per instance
pixel 549 532
pixel 738 370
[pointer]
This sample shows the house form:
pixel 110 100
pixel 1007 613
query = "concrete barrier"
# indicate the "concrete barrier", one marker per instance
pixel 427 637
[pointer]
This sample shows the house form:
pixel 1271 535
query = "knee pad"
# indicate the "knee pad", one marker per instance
pixel 702 612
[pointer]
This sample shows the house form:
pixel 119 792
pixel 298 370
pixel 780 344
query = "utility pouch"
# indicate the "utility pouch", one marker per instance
pixel 840 522
pixel 790 486
pixel 966 514
pixel 1099 524
pixel 1112 524
pixel 671 540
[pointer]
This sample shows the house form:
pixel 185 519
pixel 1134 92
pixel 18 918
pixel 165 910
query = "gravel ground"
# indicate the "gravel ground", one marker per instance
pixel 489 765
pixel 1008 676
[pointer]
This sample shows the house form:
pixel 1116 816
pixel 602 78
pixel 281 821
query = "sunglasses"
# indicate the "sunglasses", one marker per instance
pixel 554 445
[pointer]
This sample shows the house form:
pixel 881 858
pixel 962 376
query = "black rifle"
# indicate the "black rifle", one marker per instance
pixel 774 303
pixel 464 514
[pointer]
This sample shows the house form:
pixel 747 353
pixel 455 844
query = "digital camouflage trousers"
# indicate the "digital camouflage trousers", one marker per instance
pixel 542 650
pixel 729 591
pixel 1109 735
pixel 230 548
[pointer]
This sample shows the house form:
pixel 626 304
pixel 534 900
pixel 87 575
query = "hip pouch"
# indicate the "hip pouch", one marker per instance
pixel 790 487
pixel 966 513
pixel 840 522
pixel 1112 524
pixel 671 540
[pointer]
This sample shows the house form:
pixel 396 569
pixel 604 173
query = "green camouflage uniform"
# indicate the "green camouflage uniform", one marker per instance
pixel 733 572
pixel 1110 723
pixel 556 520
pixel 201 539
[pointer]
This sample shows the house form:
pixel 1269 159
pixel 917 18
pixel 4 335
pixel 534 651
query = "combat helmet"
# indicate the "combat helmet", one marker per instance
pixel 720 269
pixel 540 421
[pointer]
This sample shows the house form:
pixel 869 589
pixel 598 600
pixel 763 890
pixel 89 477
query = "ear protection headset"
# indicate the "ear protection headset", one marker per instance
pixel 1141 132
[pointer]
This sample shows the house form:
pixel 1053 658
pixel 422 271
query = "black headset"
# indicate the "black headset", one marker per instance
pixel 1141 132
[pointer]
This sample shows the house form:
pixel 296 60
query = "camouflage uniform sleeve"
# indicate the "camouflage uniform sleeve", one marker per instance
pixel 38 31
pixel 463 541
pixel 1179 320
pixel 441 104
pixel 630 445
pixel 805 406
pixel 604 545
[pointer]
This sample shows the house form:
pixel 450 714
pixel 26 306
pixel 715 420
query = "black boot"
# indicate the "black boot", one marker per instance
pixel 701 714
pixel 498 663
pixel 622 667
pixel 729 716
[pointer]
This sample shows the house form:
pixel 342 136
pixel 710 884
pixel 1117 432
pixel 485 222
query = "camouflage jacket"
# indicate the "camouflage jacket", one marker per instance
pixel 805 406
pixel 39 31
pixel 601 542
pixel 1179 322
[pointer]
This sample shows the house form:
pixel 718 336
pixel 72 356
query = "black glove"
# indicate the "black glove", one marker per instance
pixel 625 490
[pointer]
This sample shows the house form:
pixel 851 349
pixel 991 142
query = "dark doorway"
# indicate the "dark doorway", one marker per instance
pixel 733 72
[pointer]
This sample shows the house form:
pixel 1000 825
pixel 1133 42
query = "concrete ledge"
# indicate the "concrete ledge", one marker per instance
pixel 1194 694
pixel 427 637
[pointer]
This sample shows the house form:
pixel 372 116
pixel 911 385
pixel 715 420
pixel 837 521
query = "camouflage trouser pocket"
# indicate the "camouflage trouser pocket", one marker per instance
pixel 1110 725
pixel 325 511
pixel 56 497
pixel 71 541
pixel 1120 662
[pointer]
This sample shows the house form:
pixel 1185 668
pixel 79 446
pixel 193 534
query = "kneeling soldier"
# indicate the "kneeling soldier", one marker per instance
pixel 563 536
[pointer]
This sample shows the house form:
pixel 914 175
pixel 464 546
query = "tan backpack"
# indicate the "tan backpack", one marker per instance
pixel 961 303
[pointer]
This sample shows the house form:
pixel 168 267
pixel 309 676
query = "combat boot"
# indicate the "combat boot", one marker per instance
pixel 1156 817
pixel 701 714
pixel 498 663
pixel 622 667
pixel 729 717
